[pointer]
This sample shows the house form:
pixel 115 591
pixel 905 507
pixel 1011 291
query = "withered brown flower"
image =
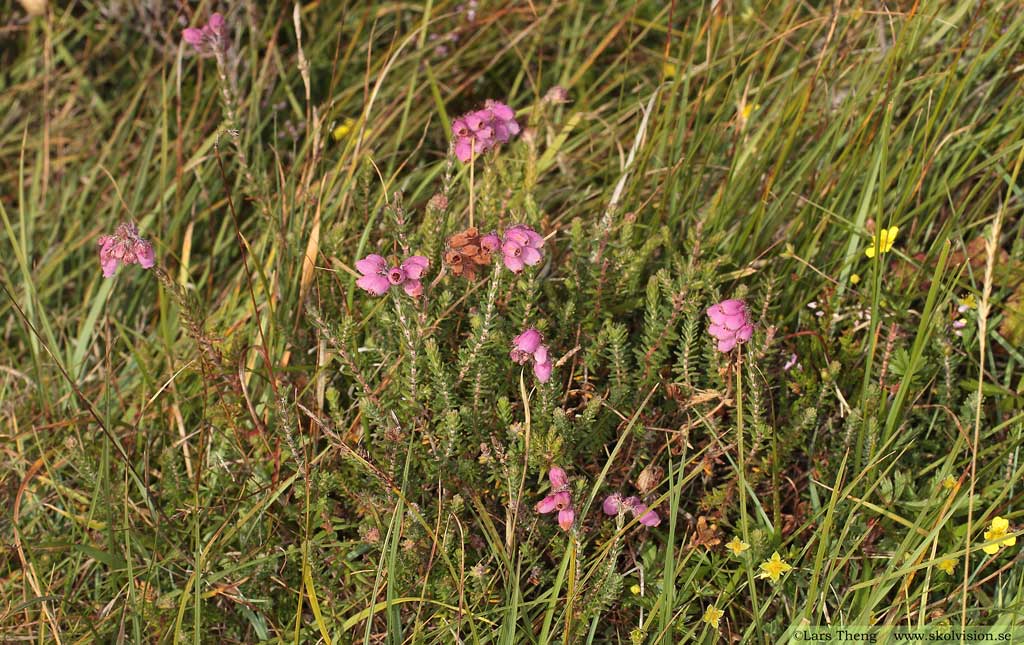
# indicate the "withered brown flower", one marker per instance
pixel 467 251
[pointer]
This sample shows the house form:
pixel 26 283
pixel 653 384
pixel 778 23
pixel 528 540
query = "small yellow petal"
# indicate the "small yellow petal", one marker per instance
pixel 855 279
pixel 712 615
pixel 737 546
pixel 774 567
pixel 343 129
pixel 991 549
pixel 882 242
pixel 947 566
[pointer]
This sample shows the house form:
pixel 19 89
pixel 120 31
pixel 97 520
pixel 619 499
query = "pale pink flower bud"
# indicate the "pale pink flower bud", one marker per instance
pixel 558 478
pixel 610 506
pixel 542 371
pixel 565 518
pixel 528 341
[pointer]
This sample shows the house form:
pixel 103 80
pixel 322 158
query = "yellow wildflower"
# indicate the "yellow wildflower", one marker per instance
pixel 343 129
pixel 737 546
pixel 743 112
pixel 635 589
pixel 947 566
pixel 949 482
pixel 774 567
pixel 883 241
pixel 969 301
pixel 996 533
pixel 712 615
pixel 669 70
pixel 855 279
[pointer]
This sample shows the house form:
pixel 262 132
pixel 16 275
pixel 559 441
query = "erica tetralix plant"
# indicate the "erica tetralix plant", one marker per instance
pixel 521 247
pixel 730 323
pixel 478 131
pixel 529 346
pixel 209 37
pixel 125 246
pixel 559 500
pixel 616 503
pixel 378 277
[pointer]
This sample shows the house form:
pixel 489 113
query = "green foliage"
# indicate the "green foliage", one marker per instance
pixel 243 446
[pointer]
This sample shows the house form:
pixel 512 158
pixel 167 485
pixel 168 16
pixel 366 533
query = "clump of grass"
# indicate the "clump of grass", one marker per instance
pixel 243 445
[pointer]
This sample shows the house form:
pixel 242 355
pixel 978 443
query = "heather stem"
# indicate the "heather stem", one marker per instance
pixel 412 391
pixel 485 327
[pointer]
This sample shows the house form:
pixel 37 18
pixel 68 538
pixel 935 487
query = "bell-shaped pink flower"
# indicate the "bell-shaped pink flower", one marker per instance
pixel 610 506
pixel 648 518
pixel 615 504
pixel 193 36
pixel 559 500
pixel 125 246
pixel 542 371
pixel 528 346
pixel 396 275
pixel 640 511
pixel 521 247
pixel 477 132
pixel 559 480
pixel 565 518
pixel 527 342
pixel 414 267
pixel 554 502
pixel 378 277
pixel 211 36
pixel 730 323
pixel 490 242
pixel 375 278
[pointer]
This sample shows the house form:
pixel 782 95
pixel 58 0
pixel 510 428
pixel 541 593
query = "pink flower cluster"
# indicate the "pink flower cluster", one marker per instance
pixel 480 130
pixel 378 277
pixel 529 345
pixel 125 246
pixel 559 500
pixel 208 37
pixel 730 323
pixel 521 247
pixel 616 503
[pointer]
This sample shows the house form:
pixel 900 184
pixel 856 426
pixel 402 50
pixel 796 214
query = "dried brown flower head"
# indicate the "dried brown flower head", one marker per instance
pixel 649 478
pixel 467 251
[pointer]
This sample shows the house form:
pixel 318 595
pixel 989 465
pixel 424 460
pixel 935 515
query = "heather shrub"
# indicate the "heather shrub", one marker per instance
pixel 510 323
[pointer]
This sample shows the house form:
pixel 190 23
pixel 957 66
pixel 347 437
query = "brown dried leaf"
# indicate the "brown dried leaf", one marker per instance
pixel 1012 327
pixel 706 535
